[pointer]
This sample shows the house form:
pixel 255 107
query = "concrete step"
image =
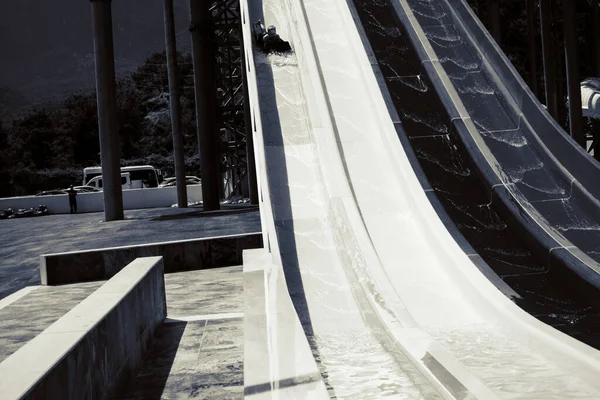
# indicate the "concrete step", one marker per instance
pixel 198 351
pixel 26 313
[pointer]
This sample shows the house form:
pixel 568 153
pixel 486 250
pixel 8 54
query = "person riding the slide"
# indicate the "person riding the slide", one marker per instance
pixel 271 38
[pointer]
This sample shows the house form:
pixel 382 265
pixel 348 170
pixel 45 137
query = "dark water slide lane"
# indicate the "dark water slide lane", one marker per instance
pixel 437 140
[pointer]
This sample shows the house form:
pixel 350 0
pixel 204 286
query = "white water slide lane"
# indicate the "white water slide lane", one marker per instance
pixel 391 305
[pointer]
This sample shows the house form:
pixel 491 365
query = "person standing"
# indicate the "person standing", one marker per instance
pixel 72 199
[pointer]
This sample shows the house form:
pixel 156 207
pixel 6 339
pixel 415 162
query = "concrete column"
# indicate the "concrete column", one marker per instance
pixel 174 94
pixel 531 20
pixel 572 69
pixel 548 57
pixel 596 36
pixel 250 161
pixel 203 56
pixel 494 17
pixel 110 148
pixel 478 7
pixel 596 44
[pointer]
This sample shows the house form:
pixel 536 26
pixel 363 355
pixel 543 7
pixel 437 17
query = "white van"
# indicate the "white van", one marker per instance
pixel 140 176
pixel 125 181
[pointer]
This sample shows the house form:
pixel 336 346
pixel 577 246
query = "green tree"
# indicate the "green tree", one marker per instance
pixel 130 114
pixel 77 126
pixel 33 136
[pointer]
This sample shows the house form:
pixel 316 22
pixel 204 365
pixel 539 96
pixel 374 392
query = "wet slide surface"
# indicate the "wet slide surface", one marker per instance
pixel 391 305
pixel 449 170
pixel 355 360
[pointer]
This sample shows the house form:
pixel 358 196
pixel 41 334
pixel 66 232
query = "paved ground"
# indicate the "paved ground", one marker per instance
pixel 198 353
pixel 205 292
pixel 24 319
pixel 24 240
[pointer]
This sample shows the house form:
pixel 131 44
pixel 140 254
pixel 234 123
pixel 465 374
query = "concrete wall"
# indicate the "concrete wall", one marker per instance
pixel 93 202
pixel 95 349
pixel 186 255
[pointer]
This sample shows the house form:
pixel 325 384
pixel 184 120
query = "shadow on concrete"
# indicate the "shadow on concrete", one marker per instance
pixel 232 210
pixel 152 379
pixel 279 187
pixel 281 384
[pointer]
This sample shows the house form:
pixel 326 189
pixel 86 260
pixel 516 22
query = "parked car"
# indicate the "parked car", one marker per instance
pixel 189 180
pixel 97 183
pixel 86 189
pixel 52 192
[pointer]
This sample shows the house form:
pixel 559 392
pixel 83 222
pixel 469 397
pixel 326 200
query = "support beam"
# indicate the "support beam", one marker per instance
pixel 203 56
pixel 548 57
pixel 572 69
pixel 250 161
pixel 596 35
pixel 531 22
pixel 494 16
pixel 110 147
pixel 478 6
pixel 174 94
pixel 596 44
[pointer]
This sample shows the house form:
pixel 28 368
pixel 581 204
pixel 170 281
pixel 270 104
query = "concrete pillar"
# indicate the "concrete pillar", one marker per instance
pixel 174 94
pixel 548 57
pixel 531 21
pixel 596 43
pixel 494 16
pixel 596 36
pixel 250 161
pixel 110 148
pixel 203 57
pixel 572 69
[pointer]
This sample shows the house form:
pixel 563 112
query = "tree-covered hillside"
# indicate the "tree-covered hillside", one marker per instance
pixel 50 146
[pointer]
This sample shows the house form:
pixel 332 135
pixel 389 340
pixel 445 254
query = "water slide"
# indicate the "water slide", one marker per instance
pixel 404 235
pixel 539 229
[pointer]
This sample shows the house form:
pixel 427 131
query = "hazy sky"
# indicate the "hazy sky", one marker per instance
pixel 46 47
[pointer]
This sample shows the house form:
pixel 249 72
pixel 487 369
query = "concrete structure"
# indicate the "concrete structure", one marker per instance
pixel 175 106
pixel 572 69
pixel 203 54
pixel 28 312
pixel 110 146
pixel 95 349
pixel 93 202
pixel 532 46
pixel 185 255
pixel 25 239
pixel 199 351
pixel 548 57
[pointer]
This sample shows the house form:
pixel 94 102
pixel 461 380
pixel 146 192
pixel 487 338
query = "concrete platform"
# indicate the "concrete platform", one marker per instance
pixel 23 240
pixel 96 348
pixel 207 292
pixel 28 316
pixel 198 353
